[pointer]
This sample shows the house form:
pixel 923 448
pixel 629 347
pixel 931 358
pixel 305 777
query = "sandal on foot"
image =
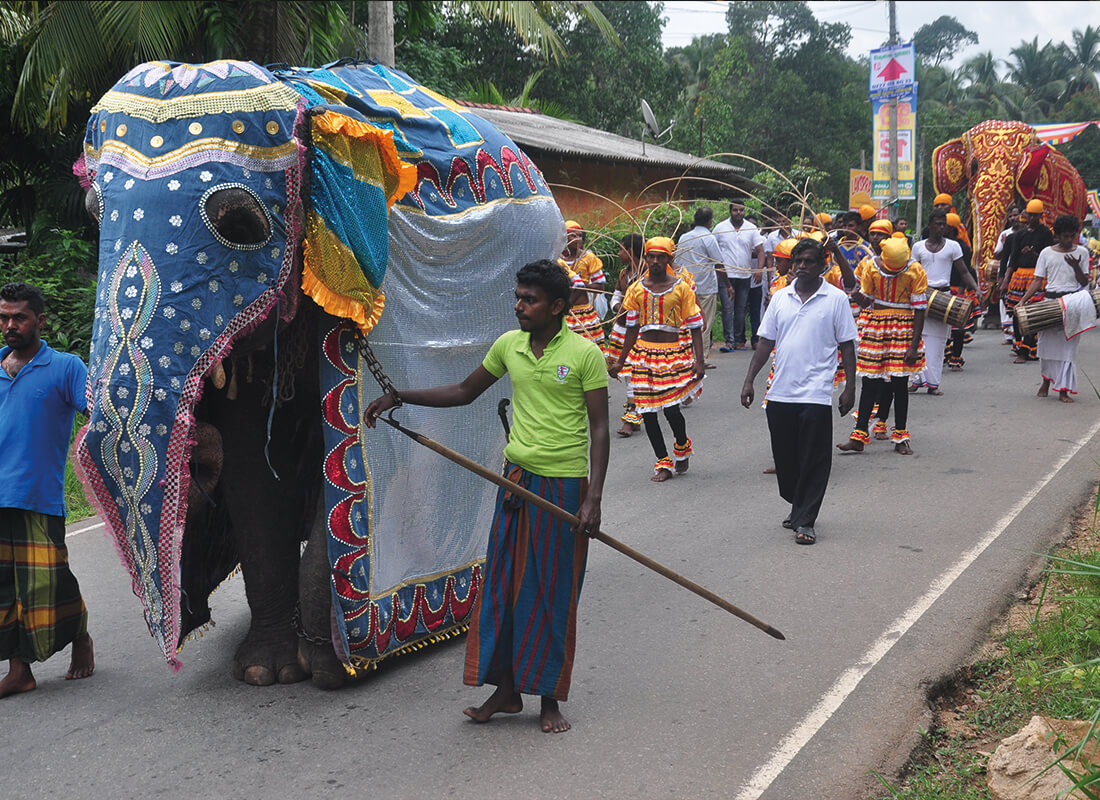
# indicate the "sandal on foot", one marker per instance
pixel 805 535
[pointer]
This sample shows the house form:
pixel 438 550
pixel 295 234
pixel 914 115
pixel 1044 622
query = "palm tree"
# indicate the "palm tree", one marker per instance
pixel 1039 72
pixel 77 48
pixel 1084 59
pixel 487 92
pixel 532 21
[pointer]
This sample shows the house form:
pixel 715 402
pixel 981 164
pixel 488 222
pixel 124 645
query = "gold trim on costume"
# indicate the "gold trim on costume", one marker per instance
pixel 270 97
pixel 285 150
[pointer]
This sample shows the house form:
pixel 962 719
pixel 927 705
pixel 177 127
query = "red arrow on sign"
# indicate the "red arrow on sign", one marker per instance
pixel 892 71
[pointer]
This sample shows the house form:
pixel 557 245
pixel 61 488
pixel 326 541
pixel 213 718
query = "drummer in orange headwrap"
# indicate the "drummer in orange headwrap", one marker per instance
pixel 1020 269
pixel 664 372
pixel 582 317
pixel 890 351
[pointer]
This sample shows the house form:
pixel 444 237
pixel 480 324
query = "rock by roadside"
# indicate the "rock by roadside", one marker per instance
pixel 1018 767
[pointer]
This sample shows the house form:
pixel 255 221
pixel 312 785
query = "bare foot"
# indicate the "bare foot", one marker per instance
pixel 82 663
pixel 661 476
pixel 1044 390
pixel 769 471
pixel 1019 360
pixel 682 466
pixel 903 448
pixel 551 719
pixel 881 435
pixel 932 390
pixel 502 701
pixel 851 446
pixel 19 678
pixel 1064 397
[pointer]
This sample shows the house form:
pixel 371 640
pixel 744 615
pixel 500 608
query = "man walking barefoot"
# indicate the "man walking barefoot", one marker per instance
pixel 41 610
pixel 524 623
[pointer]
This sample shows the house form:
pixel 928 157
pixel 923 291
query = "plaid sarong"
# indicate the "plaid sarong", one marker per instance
pixel 525 618
pixel 41 610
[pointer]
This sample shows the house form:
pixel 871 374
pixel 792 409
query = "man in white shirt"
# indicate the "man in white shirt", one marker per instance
pixel 742 249
pixel 806 322
pixel 697 251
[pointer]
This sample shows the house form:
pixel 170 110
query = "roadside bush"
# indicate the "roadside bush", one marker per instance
pixel 63 266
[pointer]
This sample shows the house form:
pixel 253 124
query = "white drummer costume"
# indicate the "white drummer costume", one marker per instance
pixel 1057 353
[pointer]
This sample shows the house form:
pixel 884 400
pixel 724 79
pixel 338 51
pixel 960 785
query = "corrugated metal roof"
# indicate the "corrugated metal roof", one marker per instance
pixel 538 132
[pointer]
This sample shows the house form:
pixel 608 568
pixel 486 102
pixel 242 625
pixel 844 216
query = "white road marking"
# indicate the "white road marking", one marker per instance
pixel 79 531
pixel 800 735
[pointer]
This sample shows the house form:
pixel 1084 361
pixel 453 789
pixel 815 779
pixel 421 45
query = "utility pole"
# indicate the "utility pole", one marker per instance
pixel 893 211
pixel 380 32
pixel 920 186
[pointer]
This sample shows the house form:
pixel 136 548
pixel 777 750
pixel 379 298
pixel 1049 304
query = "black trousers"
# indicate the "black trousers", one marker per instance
pixel 802 447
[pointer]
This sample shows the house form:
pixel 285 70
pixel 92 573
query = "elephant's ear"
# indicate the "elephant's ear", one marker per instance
pixel 950 166
pixel 356 175
pixel 1045 174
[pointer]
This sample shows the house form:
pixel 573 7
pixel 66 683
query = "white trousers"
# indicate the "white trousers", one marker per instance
pixel 1058 359
pixel 936 334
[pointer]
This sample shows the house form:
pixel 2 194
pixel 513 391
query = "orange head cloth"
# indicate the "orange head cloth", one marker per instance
pixel 824 219
pixel 954 220
pixel 1035 207
pixel 942 199
pixel 783 249
pixel 895 254
pixel 572 225
pixel 660 244
pixel 867 212
pixel 882 226
pixel 898 235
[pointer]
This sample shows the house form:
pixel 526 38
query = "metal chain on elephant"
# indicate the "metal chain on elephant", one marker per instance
pixel 375 368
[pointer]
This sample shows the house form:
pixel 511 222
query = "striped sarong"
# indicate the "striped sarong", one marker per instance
pixel 525 618
pixel 41 610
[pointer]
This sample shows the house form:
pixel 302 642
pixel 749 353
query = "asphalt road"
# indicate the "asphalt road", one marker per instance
pixel 671 697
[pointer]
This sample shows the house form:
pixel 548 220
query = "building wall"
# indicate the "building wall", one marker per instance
pixel 592 193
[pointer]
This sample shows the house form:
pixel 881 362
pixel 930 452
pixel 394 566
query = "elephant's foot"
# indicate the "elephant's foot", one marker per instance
pixel 268 656
pixel 320 661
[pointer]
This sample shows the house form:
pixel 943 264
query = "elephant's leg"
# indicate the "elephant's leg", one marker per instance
pixel 267 518
pixel 316 653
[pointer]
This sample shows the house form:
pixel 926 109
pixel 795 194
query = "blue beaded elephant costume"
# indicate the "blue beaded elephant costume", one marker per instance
pixel 233 203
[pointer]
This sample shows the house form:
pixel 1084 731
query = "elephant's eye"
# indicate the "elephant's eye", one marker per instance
pixel 93 203
pixel 236 217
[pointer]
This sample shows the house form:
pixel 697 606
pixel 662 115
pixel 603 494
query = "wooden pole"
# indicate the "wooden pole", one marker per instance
pixel 561 513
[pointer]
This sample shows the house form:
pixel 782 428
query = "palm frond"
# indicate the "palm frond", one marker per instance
pixel 13 24
pixel 146 31
pixel 524 18
pixel 66 38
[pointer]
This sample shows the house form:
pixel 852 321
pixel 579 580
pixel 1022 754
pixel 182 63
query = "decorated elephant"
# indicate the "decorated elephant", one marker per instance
pixel 256 228
pixel 998 162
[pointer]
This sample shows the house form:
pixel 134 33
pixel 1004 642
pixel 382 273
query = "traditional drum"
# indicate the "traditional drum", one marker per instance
pixel 1044 314
pixel 945 307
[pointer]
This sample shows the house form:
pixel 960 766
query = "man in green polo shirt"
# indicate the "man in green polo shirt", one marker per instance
pixel 523 631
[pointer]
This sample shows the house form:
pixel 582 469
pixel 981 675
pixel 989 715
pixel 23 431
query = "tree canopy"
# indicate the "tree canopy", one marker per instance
pixel 940 40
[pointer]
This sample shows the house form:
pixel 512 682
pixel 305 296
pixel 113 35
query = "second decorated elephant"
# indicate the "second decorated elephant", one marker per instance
pixel 997 162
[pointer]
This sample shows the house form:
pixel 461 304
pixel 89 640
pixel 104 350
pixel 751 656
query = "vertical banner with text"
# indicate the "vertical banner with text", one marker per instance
pixel 907 137
pixel 859 188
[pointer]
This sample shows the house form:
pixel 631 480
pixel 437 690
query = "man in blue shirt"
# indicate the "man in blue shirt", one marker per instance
pixel 41 610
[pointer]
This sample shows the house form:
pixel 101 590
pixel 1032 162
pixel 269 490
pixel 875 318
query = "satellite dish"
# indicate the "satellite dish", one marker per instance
pixel 650 119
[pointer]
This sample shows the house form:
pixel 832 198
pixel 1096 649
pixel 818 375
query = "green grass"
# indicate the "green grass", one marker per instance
pixel 76 504
pixel 1051 668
